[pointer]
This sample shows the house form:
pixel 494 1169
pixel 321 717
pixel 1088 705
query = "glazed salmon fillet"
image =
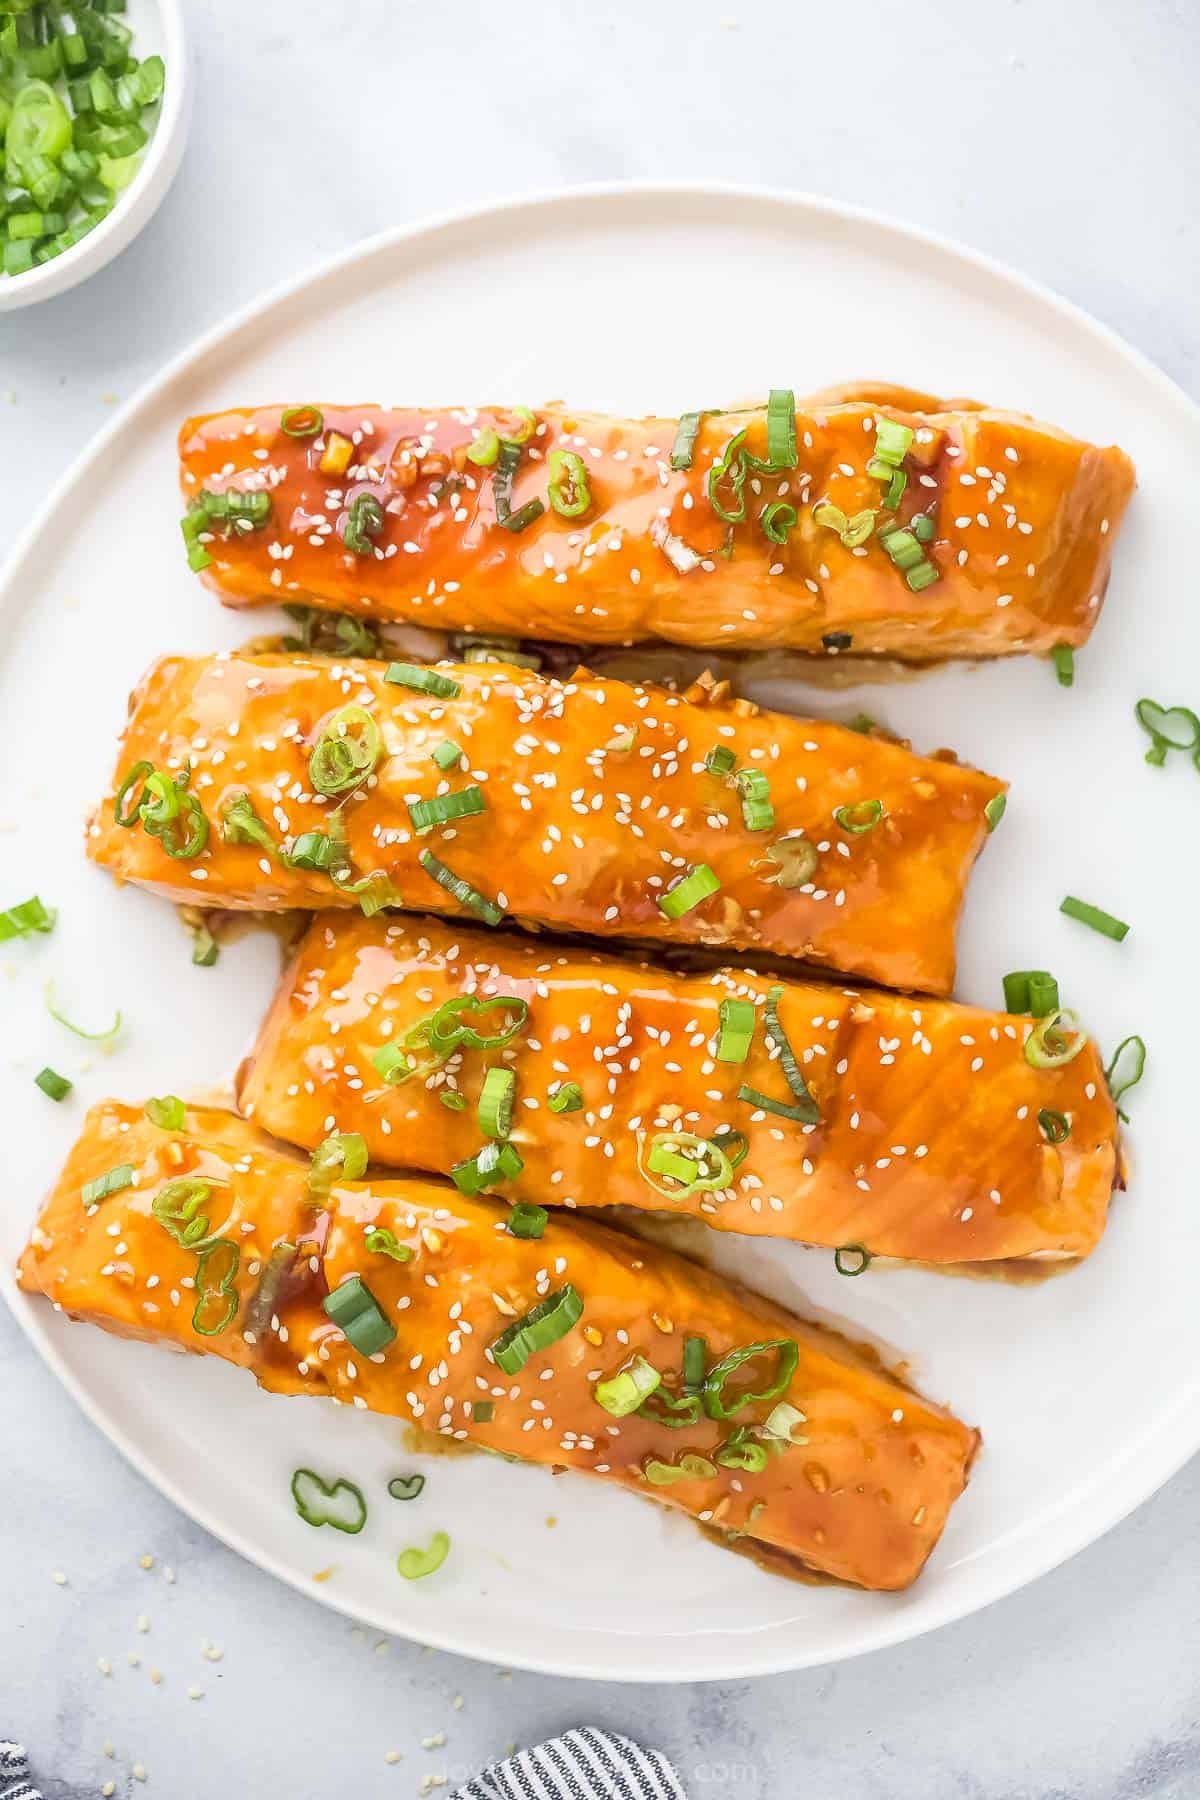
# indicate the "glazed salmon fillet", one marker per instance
pixel 206 1236
pixel 929 1135
pixel 883 522
pixel 277 781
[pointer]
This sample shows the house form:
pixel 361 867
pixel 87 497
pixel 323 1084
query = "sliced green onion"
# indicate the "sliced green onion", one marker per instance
pixel 1123 1075
pixel 758 814
pixel 405 1487
pixel 684 447
pixel 442 809
pixel 314 850
pixel 1063 658
pixel 1030 991
pixel 1055 1127
pixel 567 1098
pixel 622 1393
pixel 364 523
pixel 483 1411
pixel 1096 918
pixel 797 857
pixel 452 1100
pixel 781 429
pixel 675 1413
pixel 241 824
pixel 993 812
pixel 169 1113
pixel 343 1156
pixel 422 681
pixel 494 1163
pixel 415 1564
pixel 852 532
pixel 738 1021
pixel 347 751
pixel 302 421
pixel 527 1221
pixel 720 760
pixel 851 1259
pixel 107 1036
pixel 778 520
pixel 923 528
pixel 859 817
pixel 446 1026
pixel 205 948
pixel 549 1321
pixel 447 755
pixel 715 1403
pixel 392 1064
pixel 695 1357
pixel 30 916
pixel 263 1304
pixel 217 1298
pixel 777 1036
pixel 699 1165
pixel 110 1183
pixel 569 491
pixel 379 1241
pixel 507 460
pixel 697 885
pixel 690 1467
pixel 54 1085
pixel 484 448
pixel 338 1503
pixel 731 469
pixel 1170 728
pixel 739 1451
pixel 496 1103
pixel 1055 1040
pixel 461 890
pixel 781 1422
pixel 800 1114
pixel 359 1316
pixel 176 1207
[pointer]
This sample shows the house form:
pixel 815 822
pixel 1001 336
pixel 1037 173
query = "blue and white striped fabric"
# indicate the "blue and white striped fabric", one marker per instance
pixel 587 1764
pixel 14 1774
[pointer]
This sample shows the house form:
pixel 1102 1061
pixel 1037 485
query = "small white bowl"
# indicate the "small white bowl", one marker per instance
pixel 157 26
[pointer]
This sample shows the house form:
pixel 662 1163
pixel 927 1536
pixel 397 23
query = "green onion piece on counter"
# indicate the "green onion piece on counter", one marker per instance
pixel 684 447
pixel 720 760
pixel 1063 658
pixel 1055 1040
pixel 110 1183
pixel 697 885
pixel 347 751
pixel 357 1313
pixel 443 809
pixel 302 421
pixel 568 1098
pixel 461 890
pixel 263 1304
pixel 1055 1127
pixel 781 1423
pixel 729 471
pixel 105 1037
pixel 719 1406
pixel 1030 991
pixel 205 949
pixel 1169 727
pixel 496 1103
pixel 405 1487
pixel 549 1321
pixel 448 755
pixel 569 491
pixel 363 524
pixel 242 825
pixel 23 920
pixel 690 1467
pixel 739 1451
pixel 379 1241
pixel 859 817
pixel 169 1113
pixel 622 1393
pixel 338 1503
pixel 781 429
pixel 415 1564
pixel 778 1037
pixel 1096 918
pixel 993 812
pixel 176 1207
pixel 738 1019
pixel 55 1086
pixel 1126 1069
pixel 527 1221
pixel 217 1299
pixel 422 681
pixel 758 814
pixel 342 1156
pixel 851 1259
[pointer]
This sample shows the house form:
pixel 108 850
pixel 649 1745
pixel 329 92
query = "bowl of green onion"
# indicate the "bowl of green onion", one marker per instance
pixel 95 99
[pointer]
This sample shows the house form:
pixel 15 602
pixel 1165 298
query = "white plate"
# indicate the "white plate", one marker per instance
pixel 646 299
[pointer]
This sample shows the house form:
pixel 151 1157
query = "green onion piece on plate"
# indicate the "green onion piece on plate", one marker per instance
pixel 1096 918
pixel 405 1487
pixel 1063 658
pixel 26 918
pixel 776 1035
pixel 690 1467
pixel 52 1084
pixel 781 1422
pixel 168 1113
pixel 415 1564
pixel 338 1503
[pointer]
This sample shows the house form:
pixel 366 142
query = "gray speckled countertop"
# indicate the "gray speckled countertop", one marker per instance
pixel 1060 135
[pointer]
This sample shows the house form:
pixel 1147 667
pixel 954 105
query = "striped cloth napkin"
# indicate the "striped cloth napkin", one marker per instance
pixel 587 1764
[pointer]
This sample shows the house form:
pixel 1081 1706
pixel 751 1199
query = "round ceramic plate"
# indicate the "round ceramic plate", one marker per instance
pixel 647 300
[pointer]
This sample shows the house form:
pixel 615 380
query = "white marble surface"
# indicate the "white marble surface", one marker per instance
pixel 1061 135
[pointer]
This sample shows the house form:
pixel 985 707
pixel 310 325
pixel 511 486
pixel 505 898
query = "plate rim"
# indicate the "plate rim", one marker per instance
pixel 891 1629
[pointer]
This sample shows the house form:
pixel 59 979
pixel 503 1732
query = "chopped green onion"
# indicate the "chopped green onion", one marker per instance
pixel 758 814
pixel 442 809
pixel 907 553
pixel 452 1100
pixel 357 1313
pixel 55 1086
pixel 507 461
pixel 1121 1078
pixel 684 447
pixel 484 448
pixel 852 532
pixel 851 1259
pixel 569 491
pixel 695 1356
pixel 217 1299
pixel 302 421
pixel 923 528
pixel 447 754
pixel 392 1064
pixel 343 1156
pixel 494 1163
pixel 205 949
pixel 739 1451
pixel 801 1114
pixel 836 640
pixel 781 1422
pixel 313 850
pixel 422 681
pixel 379 1241
pixel 777 520
pixel 461 890
pixel 715 1401
pixel 1170 728
pixel 106 1037
pixel 527 1221
pixel 622 1393
pixel 697 885
pixel 993 812
pixel 777 1036
pixel 496 1103
pixel 1054 1126
pixel 30 916
pixel 446 1027
pixel 699 1165
pixel 483 1411
pixel 169 1113
pixel 338 1503
pixel 860 817
pixel 549 1321
pixel 1063 657
pixel 176 1207
pixel 347 751
pixel 731 469
pixel 720 760
pixel 1032 991
pixel 414 1564
pixel 1096 918
pixel 781 429
pixel 797 857
pixel 405 1487
pixel 738 1020
pixel 241 824
pixel 690 1467
pixel 1055 1040
pixel 567 1098
pixel 111 1183
pixel 364 522
pixel 263 1304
